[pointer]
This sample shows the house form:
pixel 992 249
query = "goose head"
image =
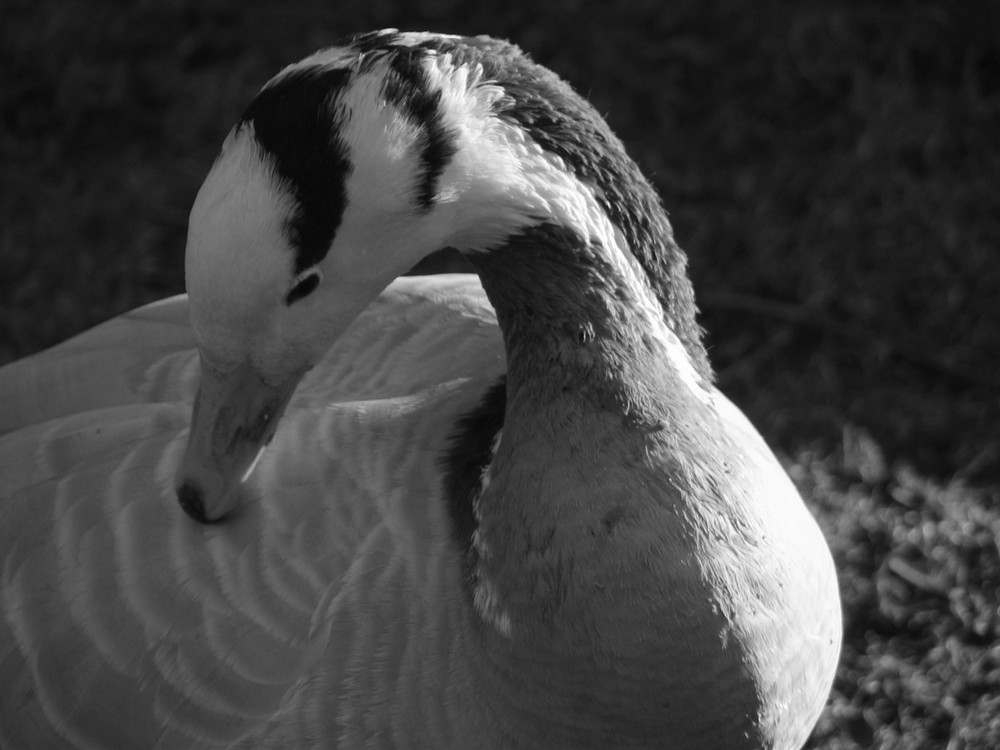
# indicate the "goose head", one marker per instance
pixel 354 164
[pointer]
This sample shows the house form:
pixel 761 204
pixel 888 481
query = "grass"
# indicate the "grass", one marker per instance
pixel 920 579
pixel 832 169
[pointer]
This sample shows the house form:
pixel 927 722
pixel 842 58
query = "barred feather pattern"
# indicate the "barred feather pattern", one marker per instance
pixel 127 625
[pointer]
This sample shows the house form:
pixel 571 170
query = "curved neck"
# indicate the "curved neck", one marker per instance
pixel 579 317
pixel 594 380
pixel 578 535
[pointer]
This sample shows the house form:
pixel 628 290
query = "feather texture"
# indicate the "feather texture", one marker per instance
pixel 331 607
pixel 506 511
pixel 127 626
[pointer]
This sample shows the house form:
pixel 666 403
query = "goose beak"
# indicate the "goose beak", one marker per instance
pixel 235 416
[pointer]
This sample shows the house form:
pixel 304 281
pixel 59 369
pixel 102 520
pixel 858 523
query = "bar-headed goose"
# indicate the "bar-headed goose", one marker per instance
pixel 513 518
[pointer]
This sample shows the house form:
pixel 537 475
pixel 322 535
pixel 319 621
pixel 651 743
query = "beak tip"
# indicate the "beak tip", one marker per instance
pixel 192 501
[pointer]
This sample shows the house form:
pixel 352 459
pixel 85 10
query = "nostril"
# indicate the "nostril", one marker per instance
pixel 192 500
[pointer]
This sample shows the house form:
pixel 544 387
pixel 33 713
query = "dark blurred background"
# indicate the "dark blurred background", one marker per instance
pixel 832 169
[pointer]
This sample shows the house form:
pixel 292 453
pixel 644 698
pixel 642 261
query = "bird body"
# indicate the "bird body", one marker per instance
pixel 506 511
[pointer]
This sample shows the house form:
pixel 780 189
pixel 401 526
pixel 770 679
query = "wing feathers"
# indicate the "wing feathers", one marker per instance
pixel 124 624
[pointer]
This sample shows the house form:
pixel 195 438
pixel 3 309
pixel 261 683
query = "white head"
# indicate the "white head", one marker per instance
pixel 346 170
pixel 284 218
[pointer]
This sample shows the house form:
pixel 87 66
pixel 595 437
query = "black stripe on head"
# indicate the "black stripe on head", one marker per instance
pixel 406 86
pixel 565 124
pixel 293 120
pixel 469 453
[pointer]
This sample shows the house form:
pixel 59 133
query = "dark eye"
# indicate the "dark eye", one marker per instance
pixel 303 287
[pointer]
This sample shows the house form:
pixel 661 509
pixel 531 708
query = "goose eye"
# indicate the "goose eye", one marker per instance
pixel 305 286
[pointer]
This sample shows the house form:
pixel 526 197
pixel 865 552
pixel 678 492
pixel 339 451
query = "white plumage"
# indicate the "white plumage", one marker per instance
pixel 624 564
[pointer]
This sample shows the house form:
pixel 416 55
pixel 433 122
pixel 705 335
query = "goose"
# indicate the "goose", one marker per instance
pixel 507 509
